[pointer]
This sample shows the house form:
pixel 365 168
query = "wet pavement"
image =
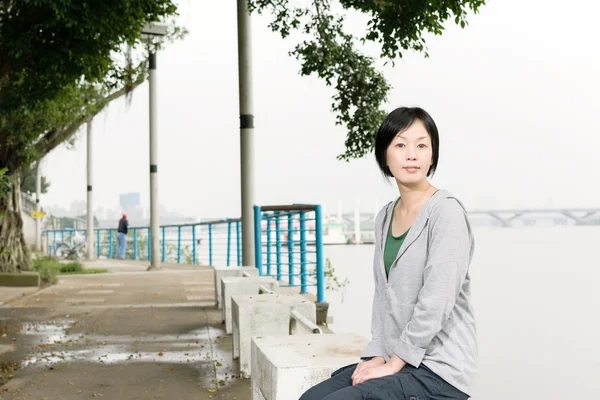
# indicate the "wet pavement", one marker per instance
pixel 149 339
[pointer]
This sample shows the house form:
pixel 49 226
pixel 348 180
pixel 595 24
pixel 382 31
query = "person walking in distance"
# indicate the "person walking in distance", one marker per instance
pixel 424 344
pixel 122 237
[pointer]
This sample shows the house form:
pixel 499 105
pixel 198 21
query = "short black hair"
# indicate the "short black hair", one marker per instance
pixel 397 121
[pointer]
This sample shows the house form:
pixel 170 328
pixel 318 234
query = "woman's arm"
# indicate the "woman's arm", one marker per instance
pixel 449 254
pixel 375 347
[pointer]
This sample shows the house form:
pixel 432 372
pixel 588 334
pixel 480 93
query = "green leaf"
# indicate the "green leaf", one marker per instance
pixel 55 75
pixel 61 63
pixel 330 53
pixel 6 182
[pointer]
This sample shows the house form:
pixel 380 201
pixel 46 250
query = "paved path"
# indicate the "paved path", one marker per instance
pixel 129 334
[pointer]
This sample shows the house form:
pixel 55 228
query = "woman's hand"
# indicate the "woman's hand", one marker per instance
pixel 365 365
pixel 377 369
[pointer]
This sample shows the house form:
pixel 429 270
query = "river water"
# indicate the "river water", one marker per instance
pixel 536 293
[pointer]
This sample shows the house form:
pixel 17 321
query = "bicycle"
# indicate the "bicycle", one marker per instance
pixel 76 249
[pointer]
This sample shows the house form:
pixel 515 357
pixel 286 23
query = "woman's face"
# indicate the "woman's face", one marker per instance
pixel 410 155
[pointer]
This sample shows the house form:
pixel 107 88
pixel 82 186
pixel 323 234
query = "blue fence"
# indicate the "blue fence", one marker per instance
pixel 207 243
pixel 288 244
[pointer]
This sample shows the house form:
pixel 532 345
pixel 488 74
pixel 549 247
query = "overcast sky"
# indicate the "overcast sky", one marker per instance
pixel 515 95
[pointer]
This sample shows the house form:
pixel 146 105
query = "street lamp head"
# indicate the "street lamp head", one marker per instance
pixel 155 29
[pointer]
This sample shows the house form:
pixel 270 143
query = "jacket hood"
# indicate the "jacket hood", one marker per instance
pixel 383 221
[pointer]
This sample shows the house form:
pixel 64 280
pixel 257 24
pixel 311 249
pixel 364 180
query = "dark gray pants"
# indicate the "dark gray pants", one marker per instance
pixel 409 384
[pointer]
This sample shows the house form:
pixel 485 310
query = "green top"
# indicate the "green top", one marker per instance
pixel 392 247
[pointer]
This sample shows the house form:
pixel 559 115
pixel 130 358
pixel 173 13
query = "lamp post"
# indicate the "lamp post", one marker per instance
pixel 246 130
pixel 89 204
pixel 153 30
pixel 38 222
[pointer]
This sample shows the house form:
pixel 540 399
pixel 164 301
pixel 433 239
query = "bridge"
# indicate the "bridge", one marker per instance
pixel 578 216
pixel 561 216
pixel 360 224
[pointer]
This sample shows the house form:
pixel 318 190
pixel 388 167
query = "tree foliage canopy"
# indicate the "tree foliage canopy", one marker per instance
pixel 46 45
pixel 62 61
pixel 5 183
pixel 331 53
pixel 28 181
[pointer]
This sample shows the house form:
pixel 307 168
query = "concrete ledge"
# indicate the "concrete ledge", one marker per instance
pixel 284 367
pixel 241 286
pixel 265 314
pixel 224 272
pixel 288 289
pixel 20 279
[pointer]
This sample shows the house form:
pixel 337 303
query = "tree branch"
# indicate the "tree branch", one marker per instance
pixel 59 135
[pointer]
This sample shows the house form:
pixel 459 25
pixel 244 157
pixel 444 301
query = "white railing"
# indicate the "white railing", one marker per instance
pixel 263 289
pixel 299 319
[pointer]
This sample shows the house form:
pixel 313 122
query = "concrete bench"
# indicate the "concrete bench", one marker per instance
pixel 268 314
pixel 282 289
pixel 222 272
pixel 240 286
pixel 284 367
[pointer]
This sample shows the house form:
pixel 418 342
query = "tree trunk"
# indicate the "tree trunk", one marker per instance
pixel 14 253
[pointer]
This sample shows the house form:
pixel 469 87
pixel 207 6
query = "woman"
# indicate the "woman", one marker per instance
pixel 423 343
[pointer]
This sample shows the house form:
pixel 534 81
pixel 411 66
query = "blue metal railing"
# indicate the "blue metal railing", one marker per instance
pixel 207 243
pixel 288 244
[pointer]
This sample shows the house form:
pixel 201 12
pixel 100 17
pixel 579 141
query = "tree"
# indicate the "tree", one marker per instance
pixel 28 178
pixel 58 76
pixel 5 183
pixel 5 188
pixel 331 53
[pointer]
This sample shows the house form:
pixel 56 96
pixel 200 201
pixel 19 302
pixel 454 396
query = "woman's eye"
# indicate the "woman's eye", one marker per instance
pixel 400 145
pixel 421 146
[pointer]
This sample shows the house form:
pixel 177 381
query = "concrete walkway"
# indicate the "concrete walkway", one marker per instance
pixel 128 334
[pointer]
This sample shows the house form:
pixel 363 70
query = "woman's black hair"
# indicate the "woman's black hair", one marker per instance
pixel 397 121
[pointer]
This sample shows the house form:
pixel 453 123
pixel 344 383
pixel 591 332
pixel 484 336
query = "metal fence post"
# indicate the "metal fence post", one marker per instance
pixel 278 244
pixel 149 245
pixel 98 244
pixel 238 228
pixel 210 249
pixel 163 232
pixel 268 245
pixel 110 244
pixel 228 241
pixel 135 244
pixel 194 259
pixel 319 250
pixel 179 244
pixel 258 239
pixel 290 244
pixel 302 252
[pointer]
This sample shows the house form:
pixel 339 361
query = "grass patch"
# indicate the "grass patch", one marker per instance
pixel 87 271
pixel 49 268
pixel 71 267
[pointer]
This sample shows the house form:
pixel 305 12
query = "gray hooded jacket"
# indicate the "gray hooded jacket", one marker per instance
pixel 422 312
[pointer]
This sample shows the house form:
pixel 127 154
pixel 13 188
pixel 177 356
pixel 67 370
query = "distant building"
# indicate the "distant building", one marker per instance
pixel 78 207
pixel 129 201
